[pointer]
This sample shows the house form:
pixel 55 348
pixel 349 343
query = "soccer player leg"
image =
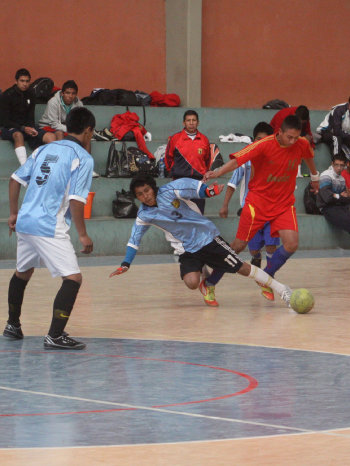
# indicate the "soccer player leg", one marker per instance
pixel 16 290
pixel 263 279
pixel 255 245
pixel 191 266
pixel 63 305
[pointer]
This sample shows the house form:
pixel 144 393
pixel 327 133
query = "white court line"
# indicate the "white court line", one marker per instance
pixel 160 410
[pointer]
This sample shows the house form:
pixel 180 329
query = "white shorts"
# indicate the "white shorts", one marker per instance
pixel 56 254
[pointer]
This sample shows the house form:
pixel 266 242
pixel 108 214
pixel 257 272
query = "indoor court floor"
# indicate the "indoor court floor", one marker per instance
pixel 166 380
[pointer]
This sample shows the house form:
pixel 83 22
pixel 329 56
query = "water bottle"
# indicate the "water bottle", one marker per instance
pixel 161 168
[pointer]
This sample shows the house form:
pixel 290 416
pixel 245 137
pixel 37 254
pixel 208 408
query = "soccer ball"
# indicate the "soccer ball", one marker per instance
pixel 302 301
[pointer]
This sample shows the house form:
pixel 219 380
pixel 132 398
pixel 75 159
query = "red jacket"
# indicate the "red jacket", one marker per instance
pixel 129 121
pixel 187 158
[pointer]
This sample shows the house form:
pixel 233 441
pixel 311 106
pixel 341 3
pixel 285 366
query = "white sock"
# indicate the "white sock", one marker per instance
pixel 299 175
pixel 262 277
pixel 21 154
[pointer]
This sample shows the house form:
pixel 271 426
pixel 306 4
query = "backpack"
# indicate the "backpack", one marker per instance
pixel 310 201
pixel 42 89
pixel 125 97
pixel 276 104
pixel 216 159
pixel 143 98
pixel 124 205
pixel 139 162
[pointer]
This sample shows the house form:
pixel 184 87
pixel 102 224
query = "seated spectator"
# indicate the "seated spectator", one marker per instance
pixel 333 198
pixel 57 110
pixel 335 129
pixel 346 174
pixel 58 107
pixel 188 153
pixel 17 105
pixel 303 113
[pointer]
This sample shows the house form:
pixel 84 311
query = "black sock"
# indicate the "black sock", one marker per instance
pixel 15 299
pixel 62 306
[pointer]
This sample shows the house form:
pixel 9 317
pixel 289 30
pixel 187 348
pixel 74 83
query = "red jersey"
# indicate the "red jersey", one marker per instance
pixel 274 171
pixel 278 118
pixel 346 175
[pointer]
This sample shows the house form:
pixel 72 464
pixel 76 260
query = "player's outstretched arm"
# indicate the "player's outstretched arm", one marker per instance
pixel 119 271
pixel 77 211
pixel 214 189
pixel 227 167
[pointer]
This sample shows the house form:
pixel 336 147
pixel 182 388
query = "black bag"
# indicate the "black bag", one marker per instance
pixel 310 202
pixel 125 97
pixel 124 205
pixel 276 104
pixel 117 162
pixel 140 163
pixel 42 89
pixel 143 98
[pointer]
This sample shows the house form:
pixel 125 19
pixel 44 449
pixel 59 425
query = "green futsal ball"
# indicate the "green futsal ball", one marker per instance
pixel 302 301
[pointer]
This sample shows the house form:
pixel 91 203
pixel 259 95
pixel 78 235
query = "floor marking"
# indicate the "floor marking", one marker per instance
pixel 160 410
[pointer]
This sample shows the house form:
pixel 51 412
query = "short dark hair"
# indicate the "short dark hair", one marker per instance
pixel 22 72
pixel 303 113
pixel 79 119
pixel 291 122
pixel 262 127
pixel 141 180
pixel 190 112
pixel 70 85
pixel 340 157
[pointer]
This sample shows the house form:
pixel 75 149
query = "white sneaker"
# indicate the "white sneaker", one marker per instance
pixel 286 295
pixel 95 175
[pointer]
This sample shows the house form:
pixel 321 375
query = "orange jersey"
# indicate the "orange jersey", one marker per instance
pixel 274 171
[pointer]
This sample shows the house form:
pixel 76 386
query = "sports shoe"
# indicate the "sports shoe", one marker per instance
pixel 209 294
pixel 99 136
pixel 95 175
pixel 267 292
pixel 13 332
pixel 62 342
pixel 286 294
pixel 108 134
pixel 255 261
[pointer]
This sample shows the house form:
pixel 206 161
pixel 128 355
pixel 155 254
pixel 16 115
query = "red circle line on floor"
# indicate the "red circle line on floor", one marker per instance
pixel 253 383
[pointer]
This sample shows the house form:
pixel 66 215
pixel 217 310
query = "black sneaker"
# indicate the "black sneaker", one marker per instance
pixel 99 136
pixel 63 342
pixel 13 332
pixel 255 261
pixel 105 132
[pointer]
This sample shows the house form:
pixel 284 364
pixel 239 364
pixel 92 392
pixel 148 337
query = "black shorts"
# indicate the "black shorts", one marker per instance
pixel 33 142
pixel 217 254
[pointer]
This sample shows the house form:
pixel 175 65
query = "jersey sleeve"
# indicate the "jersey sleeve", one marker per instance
pixel 236 177
pixel 81 178
pixel 250 152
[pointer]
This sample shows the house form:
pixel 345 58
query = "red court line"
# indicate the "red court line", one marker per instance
pixel 253 383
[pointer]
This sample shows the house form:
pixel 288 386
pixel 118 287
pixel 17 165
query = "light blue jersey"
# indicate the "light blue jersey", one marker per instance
pixel 241 175
pixel 54 174
pixel 176 215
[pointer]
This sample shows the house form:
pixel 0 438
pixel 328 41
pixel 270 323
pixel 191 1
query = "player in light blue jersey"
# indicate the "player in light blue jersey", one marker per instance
pixel 58 179
pixel 262 238
pixel 170 209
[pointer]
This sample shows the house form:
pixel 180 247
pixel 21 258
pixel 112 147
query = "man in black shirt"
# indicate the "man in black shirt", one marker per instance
pixel 17 105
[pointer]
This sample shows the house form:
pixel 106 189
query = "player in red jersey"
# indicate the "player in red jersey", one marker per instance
pixel 275 161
